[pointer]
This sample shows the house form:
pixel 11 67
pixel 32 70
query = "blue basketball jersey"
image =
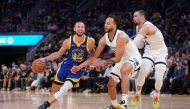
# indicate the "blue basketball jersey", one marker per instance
pixel 77 52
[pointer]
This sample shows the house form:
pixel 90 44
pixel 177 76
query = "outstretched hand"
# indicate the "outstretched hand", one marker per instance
pixel 98 63
pixel 75 69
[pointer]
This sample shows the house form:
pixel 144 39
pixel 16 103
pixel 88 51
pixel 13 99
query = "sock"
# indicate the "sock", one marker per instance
pixel 114 102
pixel 157 94
pixel 124 98
pixel 138 92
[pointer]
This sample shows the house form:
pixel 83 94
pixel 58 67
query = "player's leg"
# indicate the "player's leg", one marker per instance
pixel 129 66
pixel 56 85
pixel 63 90
pixel 125 70
pixel 59 79
pixel 145 68
pixel 112 92
pixel 114 79
pixel 160 68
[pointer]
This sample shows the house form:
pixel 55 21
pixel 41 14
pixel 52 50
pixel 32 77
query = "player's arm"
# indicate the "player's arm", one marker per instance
pixel 95 53
pixel 121 42
pixel 100 47
pixel 59 53
pixel 147 30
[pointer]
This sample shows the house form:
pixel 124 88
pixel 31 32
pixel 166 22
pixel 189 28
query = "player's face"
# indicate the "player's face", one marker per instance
pixel 109 24
pixel 137 18
pixel 79 28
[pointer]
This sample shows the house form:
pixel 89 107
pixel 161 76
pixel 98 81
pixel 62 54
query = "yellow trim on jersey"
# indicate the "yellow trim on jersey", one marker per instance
pixel 70 42
pixel 76 81
pixel 87 45
pixel 57 80
pixel 78 44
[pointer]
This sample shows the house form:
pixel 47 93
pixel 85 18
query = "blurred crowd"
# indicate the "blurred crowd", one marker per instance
pixel 171 17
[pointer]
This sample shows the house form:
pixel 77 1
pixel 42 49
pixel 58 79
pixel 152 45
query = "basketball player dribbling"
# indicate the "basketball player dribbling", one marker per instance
pixel 79 47
pixel 154 56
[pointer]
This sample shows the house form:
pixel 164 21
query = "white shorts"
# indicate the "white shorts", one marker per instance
pixel 115 72
pixel 156 58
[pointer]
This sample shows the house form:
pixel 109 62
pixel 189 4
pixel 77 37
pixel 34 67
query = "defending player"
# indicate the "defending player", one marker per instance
pixel 155 54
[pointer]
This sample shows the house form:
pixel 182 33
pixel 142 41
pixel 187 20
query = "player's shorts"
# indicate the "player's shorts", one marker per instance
pixel 135 61
pixel 155 58
pixel 64 74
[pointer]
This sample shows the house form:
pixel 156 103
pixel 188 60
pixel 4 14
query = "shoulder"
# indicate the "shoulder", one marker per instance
pixel 148 27
pixel 91 40
pixel 67 42
pixel 103 38
pixel 122 36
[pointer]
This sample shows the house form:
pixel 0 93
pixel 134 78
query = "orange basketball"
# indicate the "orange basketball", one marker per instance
pixel 38 66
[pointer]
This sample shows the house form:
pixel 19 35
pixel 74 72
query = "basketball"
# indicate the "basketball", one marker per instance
pixel 38 66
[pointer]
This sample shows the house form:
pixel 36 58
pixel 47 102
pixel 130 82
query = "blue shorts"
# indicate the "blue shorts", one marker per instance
pixel 64 73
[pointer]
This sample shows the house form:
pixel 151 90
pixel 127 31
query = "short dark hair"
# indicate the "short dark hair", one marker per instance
pixel 114 18
pixel 77 21
pixel 142 12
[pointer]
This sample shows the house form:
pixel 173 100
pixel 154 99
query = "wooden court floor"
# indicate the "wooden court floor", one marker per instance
pixel 31 100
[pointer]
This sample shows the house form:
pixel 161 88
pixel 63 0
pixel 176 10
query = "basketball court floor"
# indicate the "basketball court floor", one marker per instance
pixel 31 100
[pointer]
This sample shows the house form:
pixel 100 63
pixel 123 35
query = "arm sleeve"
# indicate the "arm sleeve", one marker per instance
pixel 138 40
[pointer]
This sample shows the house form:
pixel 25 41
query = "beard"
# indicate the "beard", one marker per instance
pixel 135 22
pixel 107 30
pixel 80 34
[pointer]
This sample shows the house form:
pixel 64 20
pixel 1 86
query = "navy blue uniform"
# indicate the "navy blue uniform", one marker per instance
pixel 77 54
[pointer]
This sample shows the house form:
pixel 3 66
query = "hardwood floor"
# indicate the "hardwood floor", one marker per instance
pixel 31 100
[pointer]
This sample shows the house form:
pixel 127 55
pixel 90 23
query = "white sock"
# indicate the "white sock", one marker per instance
pixel 138 92
pixel 125 98
pixel 63 90
pixel 157 94
pixel 114 102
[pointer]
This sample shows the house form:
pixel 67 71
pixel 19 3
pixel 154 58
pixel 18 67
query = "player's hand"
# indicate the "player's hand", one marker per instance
pixel 98 63
pixel 75 69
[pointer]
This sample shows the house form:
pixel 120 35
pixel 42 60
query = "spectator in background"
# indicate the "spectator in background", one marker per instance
pixel 1 80
pixel 23 76
pixel 186 83
pixel 16 79
pixel 7 79
pixel 167 75
pixel 49 77
pixel 177 78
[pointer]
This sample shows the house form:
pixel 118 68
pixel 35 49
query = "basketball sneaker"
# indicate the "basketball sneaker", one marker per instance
pixel 117 106
pixel 45 105
pixel 110 107
pixel 155 102
pixel 135 100
pixel 123 103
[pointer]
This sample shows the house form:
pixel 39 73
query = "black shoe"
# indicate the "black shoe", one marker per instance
pixel 123 103
pixel 45 105
pixel 109 107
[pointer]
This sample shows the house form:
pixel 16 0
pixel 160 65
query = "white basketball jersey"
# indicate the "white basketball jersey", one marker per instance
pixel 130 48
pixel 155 42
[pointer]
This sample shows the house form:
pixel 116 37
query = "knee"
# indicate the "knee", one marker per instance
pixel 111 83
pixel 126 69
